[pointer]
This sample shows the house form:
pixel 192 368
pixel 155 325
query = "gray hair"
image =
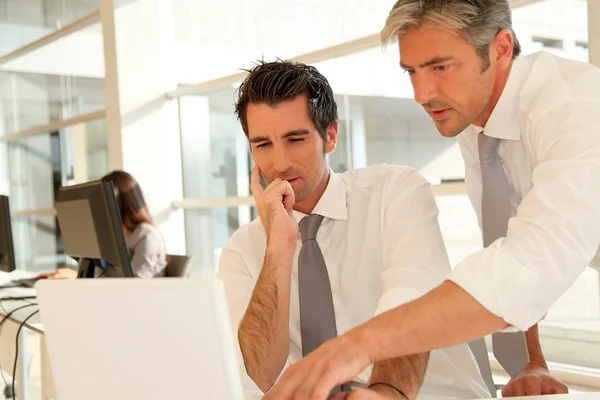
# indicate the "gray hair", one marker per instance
pixel 479 21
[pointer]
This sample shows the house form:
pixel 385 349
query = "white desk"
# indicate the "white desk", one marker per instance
pixel 10 329
pixel 578 396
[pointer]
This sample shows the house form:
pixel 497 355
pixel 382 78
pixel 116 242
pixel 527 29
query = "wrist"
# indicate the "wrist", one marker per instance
pixel 280 249
pixel 362 336
pixel 538 363
pixel 387 392
pixel 278 242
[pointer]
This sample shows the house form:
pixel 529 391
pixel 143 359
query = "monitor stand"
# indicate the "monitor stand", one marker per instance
pixel 87 267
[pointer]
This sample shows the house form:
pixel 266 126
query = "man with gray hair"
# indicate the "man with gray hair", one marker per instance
pixel 529 132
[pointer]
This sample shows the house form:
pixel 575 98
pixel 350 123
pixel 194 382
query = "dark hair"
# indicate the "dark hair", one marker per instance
pixel 479 21
pixel 130 199
pixel 275 82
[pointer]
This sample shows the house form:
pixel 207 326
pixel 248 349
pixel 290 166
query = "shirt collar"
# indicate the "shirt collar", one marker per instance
pixel 332 203
pixel 504 122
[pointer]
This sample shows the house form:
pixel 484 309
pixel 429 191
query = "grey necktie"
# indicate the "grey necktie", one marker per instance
pixel 317 316
pixel 510 349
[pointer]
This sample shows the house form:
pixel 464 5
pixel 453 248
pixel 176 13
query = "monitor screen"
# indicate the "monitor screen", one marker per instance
pixel 90 224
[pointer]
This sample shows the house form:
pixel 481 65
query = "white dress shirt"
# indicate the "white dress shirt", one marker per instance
pixel 382 245
pixel 548 118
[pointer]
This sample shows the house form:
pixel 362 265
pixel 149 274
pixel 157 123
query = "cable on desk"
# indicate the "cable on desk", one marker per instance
pixel 4 319
pixel 17 348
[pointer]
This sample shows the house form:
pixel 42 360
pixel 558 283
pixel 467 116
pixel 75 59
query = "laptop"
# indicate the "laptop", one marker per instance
pixel 124 339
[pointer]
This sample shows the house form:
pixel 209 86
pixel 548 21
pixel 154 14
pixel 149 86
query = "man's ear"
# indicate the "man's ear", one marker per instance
pixel 332 136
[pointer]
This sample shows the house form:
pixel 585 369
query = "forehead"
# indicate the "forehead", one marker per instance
pixel 287 116
pixel 422 43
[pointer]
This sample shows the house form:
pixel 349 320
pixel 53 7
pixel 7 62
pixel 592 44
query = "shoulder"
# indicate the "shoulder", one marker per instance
pixel 383 184
pixel 248 237
pixel 555 83
pixel 146 232
pixel 381 175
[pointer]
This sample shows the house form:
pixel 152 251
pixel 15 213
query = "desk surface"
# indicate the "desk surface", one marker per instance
pixel 576 396
pixel 6 306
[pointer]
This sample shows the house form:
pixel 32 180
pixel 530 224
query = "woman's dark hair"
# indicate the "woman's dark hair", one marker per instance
pixel 130 199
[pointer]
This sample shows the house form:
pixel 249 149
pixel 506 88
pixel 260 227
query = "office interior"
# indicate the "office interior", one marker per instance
pixel 147 86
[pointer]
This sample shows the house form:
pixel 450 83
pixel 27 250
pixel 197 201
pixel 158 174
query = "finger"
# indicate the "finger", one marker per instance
pixel 508 390
pixel 308 389
pixel 321 382
pixel 555 387
pixel 517 386
pixel 341 396
pixel 533 386
pixel 288 384
pixel 362 394
pixel 289 199
pixel 255 185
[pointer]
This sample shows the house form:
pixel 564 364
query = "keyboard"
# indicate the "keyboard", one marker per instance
pixel 29 283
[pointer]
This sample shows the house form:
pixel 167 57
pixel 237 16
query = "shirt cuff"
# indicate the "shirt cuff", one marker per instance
pixel 502 285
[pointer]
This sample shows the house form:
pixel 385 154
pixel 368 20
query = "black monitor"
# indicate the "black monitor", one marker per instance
pixel 90 224
pixel 7 250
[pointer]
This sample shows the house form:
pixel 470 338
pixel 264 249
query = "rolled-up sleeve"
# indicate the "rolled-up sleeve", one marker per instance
pixel 238 284
pixel 556 231
pixel 414 255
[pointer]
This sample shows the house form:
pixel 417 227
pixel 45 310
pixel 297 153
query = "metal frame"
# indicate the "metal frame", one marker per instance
pixel 38 212
pixel 442 189
pixel 200 203
pixel 53 126
pixel 340 50
pixel 111 85
pixel 74 26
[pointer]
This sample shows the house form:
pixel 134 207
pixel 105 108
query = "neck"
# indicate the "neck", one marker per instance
pixel 307 205
pixel 499 84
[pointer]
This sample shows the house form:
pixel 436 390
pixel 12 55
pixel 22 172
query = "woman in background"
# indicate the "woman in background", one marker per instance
pixel 144 242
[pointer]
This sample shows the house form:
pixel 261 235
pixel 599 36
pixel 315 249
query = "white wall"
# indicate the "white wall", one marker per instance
pixel 150 129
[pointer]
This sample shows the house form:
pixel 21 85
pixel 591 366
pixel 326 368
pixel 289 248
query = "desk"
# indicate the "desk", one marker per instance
pixel 10 328
pixel 578 396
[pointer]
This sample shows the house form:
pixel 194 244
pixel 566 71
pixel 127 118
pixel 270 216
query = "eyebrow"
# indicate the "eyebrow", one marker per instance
pixel 294 133
pixel 433 61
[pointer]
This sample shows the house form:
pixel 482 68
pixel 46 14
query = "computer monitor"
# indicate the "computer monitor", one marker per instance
pixel 90 224
pixel 118 320
pixel 7 250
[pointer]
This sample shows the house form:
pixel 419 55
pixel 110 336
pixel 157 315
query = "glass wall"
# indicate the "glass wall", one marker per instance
pixel 38 167
pixel 25 21
pixel 40 88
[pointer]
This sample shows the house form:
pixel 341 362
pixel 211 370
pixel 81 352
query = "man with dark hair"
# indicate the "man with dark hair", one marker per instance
pixel 529 132
pixel 329 251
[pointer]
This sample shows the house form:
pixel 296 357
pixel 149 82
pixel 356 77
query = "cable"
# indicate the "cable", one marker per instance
pixel 4 319
pixel 17 348
pixel 18 298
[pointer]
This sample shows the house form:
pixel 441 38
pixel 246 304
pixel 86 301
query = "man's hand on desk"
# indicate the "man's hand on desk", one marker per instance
pixel 337 361
pixel 368 394
pixel 534 380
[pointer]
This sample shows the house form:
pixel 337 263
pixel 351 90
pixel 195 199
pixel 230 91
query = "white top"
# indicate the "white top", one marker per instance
pixel 147 253
pixel 382 245
pixel 549 119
